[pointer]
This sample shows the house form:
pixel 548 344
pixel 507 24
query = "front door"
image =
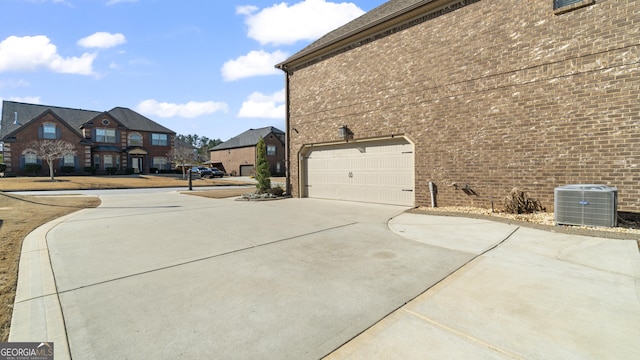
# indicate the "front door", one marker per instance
pixel 136 164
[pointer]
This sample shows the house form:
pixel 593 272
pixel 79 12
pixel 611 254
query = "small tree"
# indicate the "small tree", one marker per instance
pixel 50 150
pixel 181 155
pixel 262 168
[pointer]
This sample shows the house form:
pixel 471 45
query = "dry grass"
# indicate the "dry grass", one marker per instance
pixel 17 215
pixel 107 182
pixel 16 221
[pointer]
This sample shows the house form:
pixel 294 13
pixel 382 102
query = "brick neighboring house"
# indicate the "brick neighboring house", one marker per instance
pixel 477 97
pixel 120 138
pixel 237 156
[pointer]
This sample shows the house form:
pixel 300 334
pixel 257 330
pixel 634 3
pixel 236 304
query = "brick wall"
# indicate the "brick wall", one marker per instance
pixel 278 158
pixel 496 95
pixel 29 132
pixel 232 159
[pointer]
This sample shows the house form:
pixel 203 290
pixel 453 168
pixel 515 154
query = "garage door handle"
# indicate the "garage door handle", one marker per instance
pixel 407 190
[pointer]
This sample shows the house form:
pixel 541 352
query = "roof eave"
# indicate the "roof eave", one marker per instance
pixel 359 33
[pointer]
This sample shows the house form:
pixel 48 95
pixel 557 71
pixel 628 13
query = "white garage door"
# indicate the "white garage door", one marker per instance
pixel 377 172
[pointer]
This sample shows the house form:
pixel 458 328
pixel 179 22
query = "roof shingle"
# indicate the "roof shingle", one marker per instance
pixel 74 117
pixel 248 138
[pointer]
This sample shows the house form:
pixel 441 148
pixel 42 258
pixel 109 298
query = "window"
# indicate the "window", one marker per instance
pixel 96 161
pixel 30 158
pixel 160 163
pixel 569 5
pixel 106 135
pixel 159 139
pixel 69 160
pixel 560 3
pixel 108 161
pixel 271 150
pixel 49 131
pixel 135 139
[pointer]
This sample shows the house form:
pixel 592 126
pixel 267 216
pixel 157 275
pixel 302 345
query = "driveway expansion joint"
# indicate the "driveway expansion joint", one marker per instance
pixel 202 259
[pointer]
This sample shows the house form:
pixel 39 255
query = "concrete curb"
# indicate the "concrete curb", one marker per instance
pixel 36 304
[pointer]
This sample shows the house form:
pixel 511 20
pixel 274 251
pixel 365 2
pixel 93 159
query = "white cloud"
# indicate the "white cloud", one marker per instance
pixel 102 40
pixel 259 105
pixel 252 64
pixel 189 110
pixel 246 9
pixel 282 24
pixel 31 53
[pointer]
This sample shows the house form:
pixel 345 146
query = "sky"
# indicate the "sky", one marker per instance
pixel 203 67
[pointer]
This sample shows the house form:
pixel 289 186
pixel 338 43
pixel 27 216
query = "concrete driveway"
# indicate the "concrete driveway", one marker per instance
pixel 164 275
pixel 167 275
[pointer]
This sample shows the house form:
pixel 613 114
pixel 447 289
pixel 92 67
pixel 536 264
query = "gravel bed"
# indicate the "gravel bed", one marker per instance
pixel 626 229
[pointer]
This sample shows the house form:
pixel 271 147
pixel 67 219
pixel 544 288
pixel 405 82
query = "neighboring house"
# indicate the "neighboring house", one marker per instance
pixel 117 140
pixel 237 156
pixel 477 97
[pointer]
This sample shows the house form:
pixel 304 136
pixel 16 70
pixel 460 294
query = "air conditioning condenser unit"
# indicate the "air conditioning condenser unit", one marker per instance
pixel 589 205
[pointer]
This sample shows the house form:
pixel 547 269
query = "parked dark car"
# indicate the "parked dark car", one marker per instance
pixel 215 172
pixel 202 171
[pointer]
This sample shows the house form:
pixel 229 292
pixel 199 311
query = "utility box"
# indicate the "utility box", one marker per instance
pixel 589 205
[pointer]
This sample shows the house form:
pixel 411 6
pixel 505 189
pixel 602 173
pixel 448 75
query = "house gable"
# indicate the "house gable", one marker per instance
pixel 239 153
pixel 249 138
pixel 24 113
pixel 385 20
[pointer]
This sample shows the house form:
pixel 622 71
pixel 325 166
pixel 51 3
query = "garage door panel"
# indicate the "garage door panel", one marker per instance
pixel 379 172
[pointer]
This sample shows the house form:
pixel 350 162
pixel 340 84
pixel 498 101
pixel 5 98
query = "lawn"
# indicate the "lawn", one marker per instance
pixel 17 220
pixel 108 182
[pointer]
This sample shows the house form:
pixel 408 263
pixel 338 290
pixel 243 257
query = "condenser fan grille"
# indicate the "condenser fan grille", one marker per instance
pixel 590 205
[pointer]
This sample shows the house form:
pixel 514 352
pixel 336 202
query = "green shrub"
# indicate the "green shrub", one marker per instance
pixel 32 169
pixel 90 170
pixel 263 175
pixel 130 171
pixel 3 167
pixel 111 170
pixel 67 169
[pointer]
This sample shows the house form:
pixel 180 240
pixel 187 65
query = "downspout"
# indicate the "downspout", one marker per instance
pixel 287 139
pixel 433 190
